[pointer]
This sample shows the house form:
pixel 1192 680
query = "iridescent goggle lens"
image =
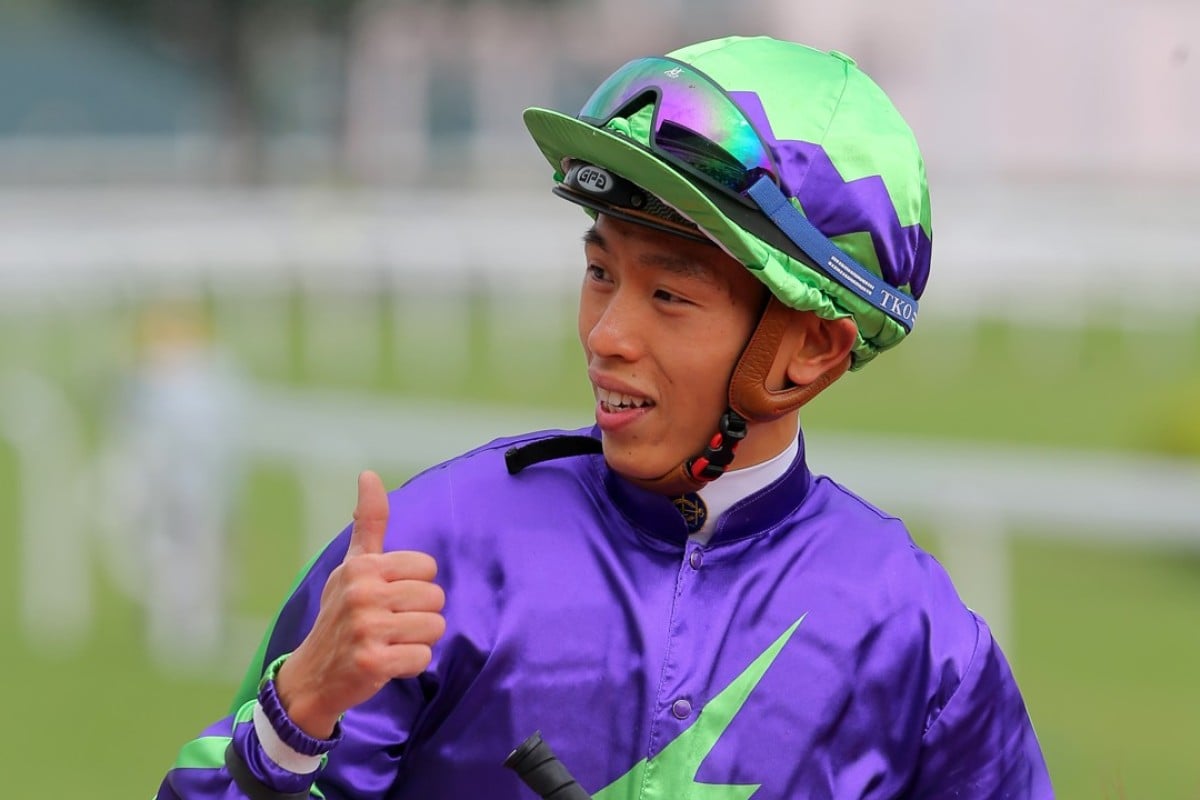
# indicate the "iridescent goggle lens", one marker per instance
pixel 695 124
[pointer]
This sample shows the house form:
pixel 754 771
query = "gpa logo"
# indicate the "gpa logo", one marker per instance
pixel 593 179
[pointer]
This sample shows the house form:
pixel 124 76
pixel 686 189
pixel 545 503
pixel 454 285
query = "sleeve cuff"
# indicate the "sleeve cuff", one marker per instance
pixel 282 741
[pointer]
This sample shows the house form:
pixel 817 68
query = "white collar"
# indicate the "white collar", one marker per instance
pixel 735 484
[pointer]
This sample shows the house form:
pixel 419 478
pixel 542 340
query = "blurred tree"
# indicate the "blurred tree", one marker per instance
pixel 221 37
pixel 247 49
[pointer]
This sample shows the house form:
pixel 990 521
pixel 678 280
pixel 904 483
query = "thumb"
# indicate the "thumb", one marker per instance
pixel 370 516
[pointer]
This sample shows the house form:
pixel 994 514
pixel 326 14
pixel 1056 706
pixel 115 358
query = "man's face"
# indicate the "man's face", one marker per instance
pixel 662 320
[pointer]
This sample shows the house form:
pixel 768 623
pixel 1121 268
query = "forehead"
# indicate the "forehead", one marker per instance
pixel 658 249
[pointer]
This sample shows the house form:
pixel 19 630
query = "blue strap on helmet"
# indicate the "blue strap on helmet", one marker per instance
pixel 829 257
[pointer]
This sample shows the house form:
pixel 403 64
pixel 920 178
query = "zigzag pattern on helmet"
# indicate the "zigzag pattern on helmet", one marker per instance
pixel 839 207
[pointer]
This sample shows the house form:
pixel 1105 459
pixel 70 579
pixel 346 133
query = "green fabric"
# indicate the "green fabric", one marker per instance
pixel 207 752
pixel 271 671
pixel 672 773
pixel 793 83
pixel 248 688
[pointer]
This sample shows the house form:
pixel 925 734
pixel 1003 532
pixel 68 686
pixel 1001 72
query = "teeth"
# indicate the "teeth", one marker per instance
pixel 618 400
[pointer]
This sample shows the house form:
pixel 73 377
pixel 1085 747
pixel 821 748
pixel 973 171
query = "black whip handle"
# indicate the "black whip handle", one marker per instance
pixel 535 763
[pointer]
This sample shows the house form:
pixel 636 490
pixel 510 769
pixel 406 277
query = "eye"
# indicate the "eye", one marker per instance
pixel 667 297
pixel 597 273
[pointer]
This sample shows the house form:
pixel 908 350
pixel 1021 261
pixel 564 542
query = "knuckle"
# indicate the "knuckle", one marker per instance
pixel 358 595
pixel 361 629
pixel 353 568
pixel 365 660
pixel 370 515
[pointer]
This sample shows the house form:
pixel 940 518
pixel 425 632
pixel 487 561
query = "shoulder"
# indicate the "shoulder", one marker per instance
pixel 485 466
pixel 871 546
pixel 889 578
pixel 827 495
pixel 901 600
pixel 475 493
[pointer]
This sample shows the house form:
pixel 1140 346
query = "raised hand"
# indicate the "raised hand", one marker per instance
pixel 380 615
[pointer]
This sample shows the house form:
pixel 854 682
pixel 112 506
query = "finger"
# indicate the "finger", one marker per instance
pixel 414 596
pixel 416 627
pixel 408 660
pixel 370 516
pixel 407 565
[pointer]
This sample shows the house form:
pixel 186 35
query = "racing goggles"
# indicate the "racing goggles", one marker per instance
pixel 697 128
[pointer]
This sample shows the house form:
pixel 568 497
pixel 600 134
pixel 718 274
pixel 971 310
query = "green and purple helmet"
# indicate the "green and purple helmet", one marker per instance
pixel 791 159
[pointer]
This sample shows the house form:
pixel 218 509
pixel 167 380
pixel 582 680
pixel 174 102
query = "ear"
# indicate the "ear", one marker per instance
pixel 813 346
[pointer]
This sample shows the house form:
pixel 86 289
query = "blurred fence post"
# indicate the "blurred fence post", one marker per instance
pixel 55 577
pixel 976 552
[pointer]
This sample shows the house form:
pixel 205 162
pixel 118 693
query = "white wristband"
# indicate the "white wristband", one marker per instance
pixel 278 750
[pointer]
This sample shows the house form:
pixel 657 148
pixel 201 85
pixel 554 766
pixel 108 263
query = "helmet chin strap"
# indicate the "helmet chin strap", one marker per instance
pixel 751 400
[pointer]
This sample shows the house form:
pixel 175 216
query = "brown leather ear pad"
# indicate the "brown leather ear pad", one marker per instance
pixel 748 391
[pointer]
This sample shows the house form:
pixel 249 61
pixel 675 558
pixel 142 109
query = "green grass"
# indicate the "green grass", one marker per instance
pixel 1109 665
pixel 1105 642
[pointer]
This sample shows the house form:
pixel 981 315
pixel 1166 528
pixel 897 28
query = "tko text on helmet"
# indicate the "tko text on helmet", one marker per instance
pixel 897 304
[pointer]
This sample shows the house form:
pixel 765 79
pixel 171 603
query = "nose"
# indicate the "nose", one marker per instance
pixel 612 326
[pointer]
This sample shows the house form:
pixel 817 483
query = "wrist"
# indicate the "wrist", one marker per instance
pixel 306 732
pixel 299 706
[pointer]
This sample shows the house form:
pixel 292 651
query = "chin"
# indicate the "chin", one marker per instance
pixel 636 463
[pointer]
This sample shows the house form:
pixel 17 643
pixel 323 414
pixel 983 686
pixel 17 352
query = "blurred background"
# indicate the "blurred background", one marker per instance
pixel 250 247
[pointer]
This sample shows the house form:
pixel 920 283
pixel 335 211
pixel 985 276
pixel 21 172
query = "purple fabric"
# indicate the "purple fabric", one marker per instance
pixel 837 206
pixel 268 773
pixel 574 608
pixel 289 733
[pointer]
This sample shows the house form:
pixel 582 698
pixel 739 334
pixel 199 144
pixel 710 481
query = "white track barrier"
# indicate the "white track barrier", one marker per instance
pixel 972 497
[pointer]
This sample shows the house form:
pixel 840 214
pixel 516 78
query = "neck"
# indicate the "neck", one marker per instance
pixel 766 440
pixel 720 495
pixel 763 441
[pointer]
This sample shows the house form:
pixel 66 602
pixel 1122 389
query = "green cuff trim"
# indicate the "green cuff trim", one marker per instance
pixel 272 671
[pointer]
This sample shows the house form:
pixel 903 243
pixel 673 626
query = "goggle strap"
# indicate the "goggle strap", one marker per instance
pixel 837 264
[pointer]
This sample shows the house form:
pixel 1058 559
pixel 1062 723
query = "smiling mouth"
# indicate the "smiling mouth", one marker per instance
pixel 617 401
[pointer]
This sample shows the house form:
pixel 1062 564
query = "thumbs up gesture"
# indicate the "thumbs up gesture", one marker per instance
pixel 380 615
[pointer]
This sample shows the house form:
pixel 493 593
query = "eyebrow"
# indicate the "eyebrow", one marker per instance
pixel 679 265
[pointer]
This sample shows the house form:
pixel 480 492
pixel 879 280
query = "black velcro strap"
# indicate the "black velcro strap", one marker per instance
pixel 518 458
pixel 250 785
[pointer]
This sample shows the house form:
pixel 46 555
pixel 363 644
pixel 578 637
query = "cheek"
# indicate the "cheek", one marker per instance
pixel 702 370
pixel 708 365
